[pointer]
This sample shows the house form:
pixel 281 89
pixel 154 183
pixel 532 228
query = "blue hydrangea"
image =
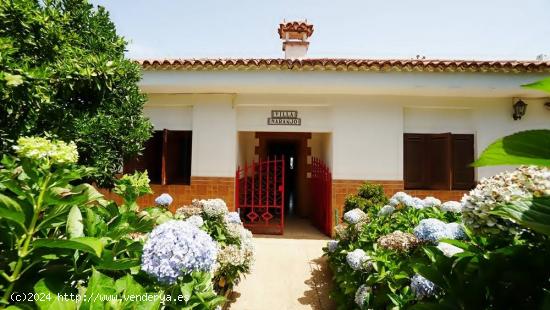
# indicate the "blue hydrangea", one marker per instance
pixel 233 217
pixel 164 200
pixel 357 259
pixel 422 287
pixel 195 220
pixel 176 248
pixel 386 210
pixel 433 230
pixel 332 245
pixel 354 216
pixel 361 295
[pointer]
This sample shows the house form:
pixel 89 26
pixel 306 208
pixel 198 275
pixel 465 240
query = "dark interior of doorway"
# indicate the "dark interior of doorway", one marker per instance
pixel 288 149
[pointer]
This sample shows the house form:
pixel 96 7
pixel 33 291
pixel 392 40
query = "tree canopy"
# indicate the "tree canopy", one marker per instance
pixel 64 74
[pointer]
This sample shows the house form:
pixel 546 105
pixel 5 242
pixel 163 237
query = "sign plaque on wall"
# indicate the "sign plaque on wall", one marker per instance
pixel 284 117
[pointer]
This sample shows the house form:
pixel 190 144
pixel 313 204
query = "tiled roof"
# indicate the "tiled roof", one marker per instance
pixel 332 64
pixel 295 27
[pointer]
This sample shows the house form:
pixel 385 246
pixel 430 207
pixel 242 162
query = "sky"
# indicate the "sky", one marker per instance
pixel 402 29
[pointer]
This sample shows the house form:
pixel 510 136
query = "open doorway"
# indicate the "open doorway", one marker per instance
pixel 267 199
pixel 294 147
pixel 289 151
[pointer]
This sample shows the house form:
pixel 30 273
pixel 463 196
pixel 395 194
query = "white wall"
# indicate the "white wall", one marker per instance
pixel 363 134
pixel 247 145
pixel 169 111
pixel 253 111
pixel 494 120
pixel 321 147
pixel 438 120
pixel 367 139
pixel 214 136
pixel 275 81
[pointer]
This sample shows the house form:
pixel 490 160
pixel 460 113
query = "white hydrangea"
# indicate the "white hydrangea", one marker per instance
pixel 354 216
pixel 431 202
pixel 451 206
pixel 449 250
pixel 402 199
pixel 232 255
pixel 213 208
pixel 522 183
pixel 233 217
pixel 195 220
pixel 358 260
pixel 386 210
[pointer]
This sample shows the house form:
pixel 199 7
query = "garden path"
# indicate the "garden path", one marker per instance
pixel 289 272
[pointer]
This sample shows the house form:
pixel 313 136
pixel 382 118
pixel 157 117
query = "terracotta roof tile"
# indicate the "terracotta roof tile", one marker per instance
pixel 337 64
pixel 295 27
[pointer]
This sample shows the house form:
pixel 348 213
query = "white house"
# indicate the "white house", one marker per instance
pixel 410 124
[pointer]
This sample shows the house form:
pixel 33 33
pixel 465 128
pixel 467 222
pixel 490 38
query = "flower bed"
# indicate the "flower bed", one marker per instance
pixel 423 253
pixel 372 256
pixel 59 237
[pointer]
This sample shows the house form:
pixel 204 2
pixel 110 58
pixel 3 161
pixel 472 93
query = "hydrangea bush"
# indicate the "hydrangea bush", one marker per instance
pixel 234 241
pixel 59 235
pixel 488 251
pixel 376 249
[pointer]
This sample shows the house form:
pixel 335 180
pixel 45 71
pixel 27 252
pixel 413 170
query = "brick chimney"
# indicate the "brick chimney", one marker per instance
pixel 295 37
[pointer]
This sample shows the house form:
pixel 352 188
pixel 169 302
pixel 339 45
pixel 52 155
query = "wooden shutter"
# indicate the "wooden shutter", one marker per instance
pixel 150 159
pixel 415 162
pixel 439 156
pixel 462 157
pixel 177 157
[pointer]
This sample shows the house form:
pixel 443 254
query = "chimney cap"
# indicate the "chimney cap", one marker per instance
pixel 295 30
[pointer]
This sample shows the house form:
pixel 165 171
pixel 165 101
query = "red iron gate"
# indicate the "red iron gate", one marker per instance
pixel 321 194
pixel 260 195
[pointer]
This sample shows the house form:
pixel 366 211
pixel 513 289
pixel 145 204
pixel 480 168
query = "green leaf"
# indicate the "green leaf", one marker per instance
pixel 100 287
pixel 543 85
pixel 534 214
pixel 77 195
pixel 75 228
pixel 187 290
pixel 13 79
pixel 530 147
pixel 11 210
pixel 54 217
pixel 47 298
pixel 86 244
pixel 119 264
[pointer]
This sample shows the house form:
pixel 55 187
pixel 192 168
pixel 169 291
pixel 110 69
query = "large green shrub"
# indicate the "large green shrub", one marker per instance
pixel 63 74
pixel 368 196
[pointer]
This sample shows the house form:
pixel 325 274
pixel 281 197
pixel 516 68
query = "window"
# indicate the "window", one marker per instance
pixel 438 161
pixel 167 158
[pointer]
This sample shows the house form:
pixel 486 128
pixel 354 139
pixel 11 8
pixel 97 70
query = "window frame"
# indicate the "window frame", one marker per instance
pixel 165 163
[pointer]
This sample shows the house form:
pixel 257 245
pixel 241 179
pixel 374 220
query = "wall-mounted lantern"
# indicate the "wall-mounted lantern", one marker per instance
pixel 519 109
